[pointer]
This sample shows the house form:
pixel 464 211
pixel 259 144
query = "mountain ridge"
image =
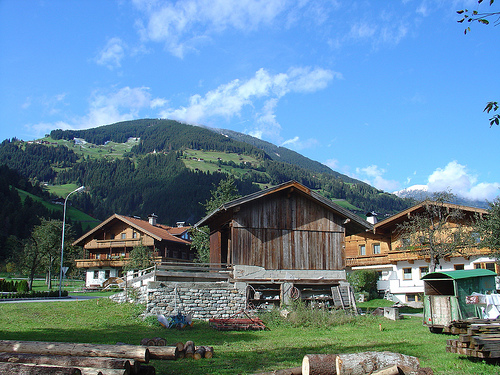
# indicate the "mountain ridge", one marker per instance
pixel 166 169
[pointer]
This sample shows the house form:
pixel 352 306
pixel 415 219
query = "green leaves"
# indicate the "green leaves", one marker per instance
pixel 492 106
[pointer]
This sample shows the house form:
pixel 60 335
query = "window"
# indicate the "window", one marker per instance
pixel 490 266
pixel 459 266
pixel 362 250
pixel 134 234
pixel 424 271
pixel 96 274
pixel 107 274
pixel 123 236
pixel 487 266
pixel 376 248
pixel 406 273
pixel 413 298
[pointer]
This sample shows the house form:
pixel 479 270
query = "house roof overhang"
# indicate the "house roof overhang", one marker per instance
pixel 389 224
pixel 158 232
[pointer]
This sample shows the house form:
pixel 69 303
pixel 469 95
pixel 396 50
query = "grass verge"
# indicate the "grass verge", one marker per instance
pixel 283 346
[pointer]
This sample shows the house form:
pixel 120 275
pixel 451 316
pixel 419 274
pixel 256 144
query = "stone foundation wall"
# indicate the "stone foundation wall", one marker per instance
pixel 202 300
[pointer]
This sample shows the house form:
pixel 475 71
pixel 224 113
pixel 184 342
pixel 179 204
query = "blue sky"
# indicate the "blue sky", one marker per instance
pixel 389 92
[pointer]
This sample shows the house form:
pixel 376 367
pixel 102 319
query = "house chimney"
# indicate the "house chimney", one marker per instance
pixel 371 217
pixel 180 224
pixel 152 219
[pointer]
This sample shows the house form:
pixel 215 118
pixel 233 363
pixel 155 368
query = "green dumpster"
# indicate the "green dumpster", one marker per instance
pixel 445 292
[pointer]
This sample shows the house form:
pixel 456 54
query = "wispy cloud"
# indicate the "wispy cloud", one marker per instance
pixel 373 175
pixel 112 53
pixel 262 90
pixel 107 107
pixel 183 24
pixel 298 144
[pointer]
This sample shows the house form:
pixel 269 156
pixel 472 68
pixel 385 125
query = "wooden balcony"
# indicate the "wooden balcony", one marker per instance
pixel 92 263
pixel 367 260
pixel 107 244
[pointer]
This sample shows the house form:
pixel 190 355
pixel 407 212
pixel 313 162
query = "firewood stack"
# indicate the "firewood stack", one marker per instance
pixel 480 339
pixel 60 358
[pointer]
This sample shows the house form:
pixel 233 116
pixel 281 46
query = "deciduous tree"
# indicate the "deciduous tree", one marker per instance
pixel 489 228
pixel 440 230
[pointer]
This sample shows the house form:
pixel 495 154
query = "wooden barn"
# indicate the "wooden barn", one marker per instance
pixel 287 233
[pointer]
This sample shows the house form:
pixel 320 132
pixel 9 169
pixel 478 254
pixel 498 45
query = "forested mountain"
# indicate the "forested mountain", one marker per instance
pixel 173 167
pixel 17 215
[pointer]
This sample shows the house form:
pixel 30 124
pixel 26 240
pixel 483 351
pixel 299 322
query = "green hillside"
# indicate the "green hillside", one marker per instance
pixel 73 214
pixel 168 168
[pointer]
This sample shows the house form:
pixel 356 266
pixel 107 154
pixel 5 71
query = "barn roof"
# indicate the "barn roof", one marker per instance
pixel 353 223
pixel 158 232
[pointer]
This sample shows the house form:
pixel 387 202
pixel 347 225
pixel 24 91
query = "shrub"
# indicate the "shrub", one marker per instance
pixel 22 286
pixel 364 281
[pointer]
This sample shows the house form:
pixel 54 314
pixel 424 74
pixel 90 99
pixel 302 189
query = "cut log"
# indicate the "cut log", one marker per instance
pixel 103 371
pixel 391 370
pixel 139 353
pixel 319 364
pixel 148 342
pixel 180 346
pixel 163 352
pixel 189 349
pixel 160 341
pixel 26 369
pixel 199 352
pixel 67 361
pixel 368 362
pixel 209 351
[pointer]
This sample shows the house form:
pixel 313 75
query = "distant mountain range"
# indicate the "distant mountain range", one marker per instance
pixel 421 192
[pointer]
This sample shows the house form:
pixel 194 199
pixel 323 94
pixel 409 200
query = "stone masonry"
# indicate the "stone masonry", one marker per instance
pixel 203 300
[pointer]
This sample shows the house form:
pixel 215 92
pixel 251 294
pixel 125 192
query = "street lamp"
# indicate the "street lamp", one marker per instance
pixel 62 241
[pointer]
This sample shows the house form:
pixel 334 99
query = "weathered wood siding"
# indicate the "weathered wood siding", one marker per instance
pixel 287 231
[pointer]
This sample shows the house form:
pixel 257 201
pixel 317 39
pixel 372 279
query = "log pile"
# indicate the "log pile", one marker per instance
pixel 61 358
pixel 480 339
pixel 366 363
pixel 159 350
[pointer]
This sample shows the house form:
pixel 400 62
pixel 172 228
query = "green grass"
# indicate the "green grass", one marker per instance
pixel 87 221
pixel 283 346
pixel 111 150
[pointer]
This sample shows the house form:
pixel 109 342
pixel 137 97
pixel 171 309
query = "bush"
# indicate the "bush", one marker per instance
pixel 22 286
pixel 364 281
pixel 32 294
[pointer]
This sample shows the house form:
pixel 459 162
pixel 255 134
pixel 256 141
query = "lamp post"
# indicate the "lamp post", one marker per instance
pixel 62 241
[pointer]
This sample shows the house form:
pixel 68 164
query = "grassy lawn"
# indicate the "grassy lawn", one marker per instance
pixel 283 346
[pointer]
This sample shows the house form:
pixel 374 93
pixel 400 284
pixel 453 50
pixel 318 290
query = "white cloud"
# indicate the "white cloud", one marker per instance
pixel 263 89
pixel 112 54
pixel 332 163
pixel 182 24
pixel 373 176
pixel 296 143
pixel 460 181
pixel 107 107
